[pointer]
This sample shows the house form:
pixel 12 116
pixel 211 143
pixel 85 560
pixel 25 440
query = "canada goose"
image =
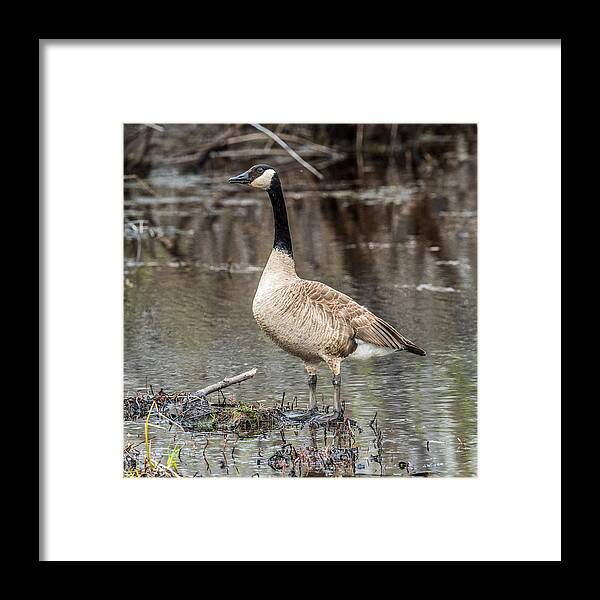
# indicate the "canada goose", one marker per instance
pixel 308 319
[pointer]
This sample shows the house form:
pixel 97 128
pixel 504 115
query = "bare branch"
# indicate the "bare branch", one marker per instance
pixel 289 150
pixel 225 383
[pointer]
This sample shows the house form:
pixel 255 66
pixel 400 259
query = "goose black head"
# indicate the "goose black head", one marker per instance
pixel 259 176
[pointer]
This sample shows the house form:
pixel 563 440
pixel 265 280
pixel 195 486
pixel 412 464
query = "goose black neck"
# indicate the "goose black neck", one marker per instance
pixel 283 240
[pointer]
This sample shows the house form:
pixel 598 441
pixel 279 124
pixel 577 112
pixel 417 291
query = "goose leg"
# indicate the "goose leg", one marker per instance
pixel 336 368
pixel 312 385
pixel 312 392
pixel 324 418
pixel 337 384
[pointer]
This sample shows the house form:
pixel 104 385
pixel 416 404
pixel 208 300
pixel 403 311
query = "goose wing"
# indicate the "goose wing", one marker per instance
pixel 351 320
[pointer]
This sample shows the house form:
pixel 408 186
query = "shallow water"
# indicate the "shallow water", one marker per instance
pixel 403 245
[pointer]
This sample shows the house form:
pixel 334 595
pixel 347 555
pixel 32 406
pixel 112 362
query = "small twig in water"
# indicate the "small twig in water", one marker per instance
pixel 204 455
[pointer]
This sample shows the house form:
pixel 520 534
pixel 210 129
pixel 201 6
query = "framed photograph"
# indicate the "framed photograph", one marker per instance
pixel 340 269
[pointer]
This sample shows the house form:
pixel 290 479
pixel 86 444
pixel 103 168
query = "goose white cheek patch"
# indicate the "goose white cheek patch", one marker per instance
pixel 264 181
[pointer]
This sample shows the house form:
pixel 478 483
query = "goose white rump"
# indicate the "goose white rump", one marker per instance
pixel 365 350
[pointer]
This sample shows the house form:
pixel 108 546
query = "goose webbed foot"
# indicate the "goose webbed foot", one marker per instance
pixel 300 417
pixel 325 418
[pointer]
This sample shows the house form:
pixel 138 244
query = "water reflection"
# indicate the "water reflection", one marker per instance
pixel 404 246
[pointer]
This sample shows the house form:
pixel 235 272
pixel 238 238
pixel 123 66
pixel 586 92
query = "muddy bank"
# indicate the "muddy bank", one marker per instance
pixel 193 413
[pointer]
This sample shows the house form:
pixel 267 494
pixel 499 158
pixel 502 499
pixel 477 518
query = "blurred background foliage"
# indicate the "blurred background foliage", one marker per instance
pixel 196 148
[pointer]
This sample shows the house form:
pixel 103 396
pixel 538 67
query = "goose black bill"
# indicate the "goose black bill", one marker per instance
pixel 242 178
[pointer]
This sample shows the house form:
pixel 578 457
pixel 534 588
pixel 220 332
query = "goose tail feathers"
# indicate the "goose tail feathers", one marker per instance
pixel 382 334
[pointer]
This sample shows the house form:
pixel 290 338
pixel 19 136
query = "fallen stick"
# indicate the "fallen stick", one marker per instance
pixel 225 383
pixel 289 150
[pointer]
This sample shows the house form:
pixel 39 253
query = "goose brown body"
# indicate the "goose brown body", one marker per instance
pixel 313 321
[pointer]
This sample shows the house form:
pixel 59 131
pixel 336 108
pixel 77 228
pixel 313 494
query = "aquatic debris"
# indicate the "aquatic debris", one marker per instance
pixel 225 382
pixel 378 443
pixel 335 459
pixel 239 417
pixel 134 466
pixel 177 404
pixel 312 462
pixel 193 413
pixel 139 405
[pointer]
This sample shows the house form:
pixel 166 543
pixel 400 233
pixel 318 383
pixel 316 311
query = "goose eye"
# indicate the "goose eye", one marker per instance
pixel 259 170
